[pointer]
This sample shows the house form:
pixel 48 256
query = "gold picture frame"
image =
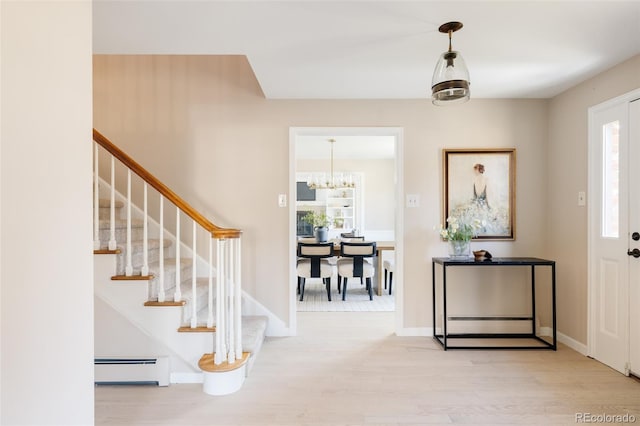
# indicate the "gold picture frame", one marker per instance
pixel 481 184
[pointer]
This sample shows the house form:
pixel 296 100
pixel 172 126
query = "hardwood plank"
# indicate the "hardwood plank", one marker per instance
pixel 201 329
pixel 167 303
pixel 132 277
pixel 107 251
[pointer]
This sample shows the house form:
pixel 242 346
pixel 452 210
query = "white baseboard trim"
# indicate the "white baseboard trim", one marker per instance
pixel 565 340
pixel 581 348
pixel 186 378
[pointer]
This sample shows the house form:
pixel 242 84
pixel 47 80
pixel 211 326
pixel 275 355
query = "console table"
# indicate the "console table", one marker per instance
pixel 530 262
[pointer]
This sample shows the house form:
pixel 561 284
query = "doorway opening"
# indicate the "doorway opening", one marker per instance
pixel 370 159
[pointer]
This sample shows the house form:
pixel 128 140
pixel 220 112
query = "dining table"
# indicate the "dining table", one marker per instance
pixel 380 247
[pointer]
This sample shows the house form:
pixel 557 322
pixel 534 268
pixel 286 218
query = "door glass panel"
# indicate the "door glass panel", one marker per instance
pixel 610 179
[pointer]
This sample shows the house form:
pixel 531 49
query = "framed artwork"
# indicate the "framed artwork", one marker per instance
pixel 481 184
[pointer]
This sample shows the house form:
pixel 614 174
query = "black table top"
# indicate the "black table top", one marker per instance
pixel 470 261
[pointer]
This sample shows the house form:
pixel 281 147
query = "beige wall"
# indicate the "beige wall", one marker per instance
pixel 202 125
pixel 567 159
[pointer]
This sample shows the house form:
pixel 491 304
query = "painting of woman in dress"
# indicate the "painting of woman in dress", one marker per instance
pixel 479 185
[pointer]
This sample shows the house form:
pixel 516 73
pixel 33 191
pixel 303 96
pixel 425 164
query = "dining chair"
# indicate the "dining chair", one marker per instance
pixel 350 238
pixel 313 263
pixel 352 264
pixel 347 235
pixel 304 239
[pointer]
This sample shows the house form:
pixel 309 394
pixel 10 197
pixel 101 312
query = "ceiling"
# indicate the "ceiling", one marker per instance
pixel 351 147
pixel 382 49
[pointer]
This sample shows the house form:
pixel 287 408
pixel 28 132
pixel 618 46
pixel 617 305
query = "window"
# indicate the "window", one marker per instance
pixel 610 179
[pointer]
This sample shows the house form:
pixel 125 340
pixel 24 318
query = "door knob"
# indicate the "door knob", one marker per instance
pixel 635 236
pixel 635 252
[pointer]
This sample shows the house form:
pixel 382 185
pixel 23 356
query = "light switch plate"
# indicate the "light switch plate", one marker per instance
pixel 282 200
pixel 582 198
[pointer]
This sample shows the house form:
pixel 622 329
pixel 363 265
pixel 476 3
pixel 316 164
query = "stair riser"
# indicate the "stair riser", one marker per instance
pixel 202 300
pixel 169 280
pixel 105 213
pixel 137 259
pixel 121 235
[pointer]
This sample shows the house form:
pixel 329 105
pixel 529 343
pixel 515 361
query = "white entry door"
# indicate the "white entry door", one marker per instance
pixel 614 221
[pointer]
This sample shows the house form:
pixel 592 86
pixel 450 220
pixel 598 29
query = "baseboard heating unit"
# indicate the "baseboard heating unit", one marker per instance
pixel 132 370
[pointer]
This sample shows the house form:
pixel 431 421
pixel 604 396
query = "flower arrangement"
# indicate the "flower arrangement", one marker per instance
pixel 458 230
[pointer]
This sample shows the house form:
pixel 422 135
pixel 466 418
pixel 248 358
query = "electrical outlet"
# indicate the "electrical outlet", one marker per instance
pixel 413 200
pixel 282 200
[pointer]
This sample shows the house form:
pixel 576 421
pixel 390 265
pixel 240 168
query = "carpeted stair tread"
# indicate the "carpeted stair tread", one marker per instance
pixel 202 316
pixel 119 224
pixel 202 298
pixel 106 203
pixel 253 331
pixel 169 275
pixel 137 254
pixel 138 245
pixel 120 230
pixel 170 265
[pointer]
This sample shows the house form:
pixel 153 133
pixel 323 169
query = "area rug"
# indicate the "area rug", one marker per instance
pixel 315 299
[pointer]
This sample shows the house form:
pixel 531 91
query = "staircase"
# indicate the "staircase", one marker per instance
pixel 156 297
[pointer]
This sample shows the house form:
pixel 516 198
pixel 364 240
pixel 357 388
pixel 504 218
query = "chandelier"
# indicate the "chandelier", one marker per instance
pixel 450 83
pixel 331 180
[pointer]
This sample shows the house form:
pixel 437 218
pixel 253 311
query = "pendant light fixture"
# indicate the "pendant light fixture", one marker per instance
pixel 450 83
pixel 331 180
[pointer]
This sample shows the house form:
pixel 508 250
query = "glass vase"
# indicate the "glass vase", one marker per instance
pixel 459 249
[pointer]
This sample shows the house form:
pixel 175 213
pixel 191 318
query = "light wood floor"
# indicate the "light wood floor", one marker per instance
pixel 348 368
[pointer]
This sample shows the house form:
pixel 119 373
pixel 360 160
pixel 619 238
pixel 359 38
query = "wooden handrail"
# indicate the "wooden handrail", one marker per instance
pixel 216 231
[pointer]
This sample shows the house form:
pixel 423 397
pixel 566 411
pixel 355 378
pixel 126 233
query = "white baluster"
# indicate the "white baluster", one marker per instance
pixel 96 199
pixel 194 311
pixel 129 268
pixel 112 208
pixel 221 344
pixel 231 317
pixel 210 302
pixel 177 296
pixel 161 295
pixel 145 235
pixel 237 256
